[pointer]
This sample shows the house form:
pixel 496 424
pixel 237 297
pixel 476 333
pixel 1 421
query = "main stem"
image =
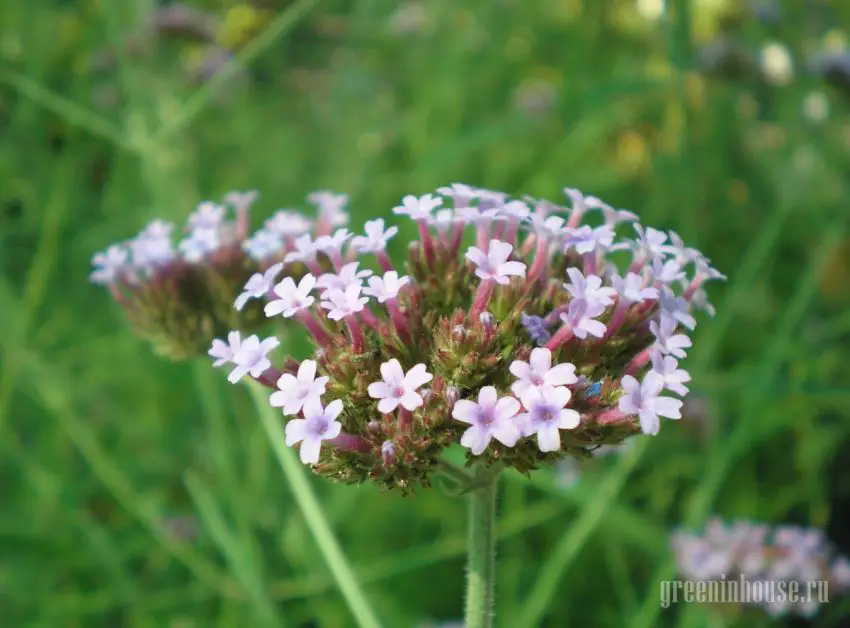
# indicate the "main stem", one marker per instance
pixel 481 560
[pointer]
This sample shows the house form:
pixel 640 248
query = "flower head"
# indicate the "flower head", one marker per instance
pixel 251 358
pixel 342 303
pixel 418 208
pixel 291 298
pixel 538 372
pixel 258 285
pixel 398 388
pixel 376 237
pixel 386 287
pixel 589 289
pixel 297 390
pixel 223 352
pixel 546 415
pixel 642 398
pixel 109 265
pixel 490 418
pixel 319 423
pixel 494 263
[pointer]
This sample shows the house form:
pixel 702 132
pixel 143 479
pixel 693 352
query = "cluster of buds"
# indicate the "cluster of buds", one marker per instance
pixel 764 555
pixel 181 297
pixel 529 346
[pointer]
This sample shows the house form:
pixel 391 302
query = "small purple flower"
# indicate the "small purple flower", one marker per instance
pixel 494 263
pixel 109 265
pixel 291 299
pixel 666 339
pixel 398 388
pixel 668 368
pixel 319 423
pixel 490 418
pixel 642 399
pixel 538 372
pixel 546 414
pixel 418 208
pixel 342 303
pixel 251 357
pixel 224 351
pixel 376 237
pixel 296 390
pixel 258 285
pixel 535 326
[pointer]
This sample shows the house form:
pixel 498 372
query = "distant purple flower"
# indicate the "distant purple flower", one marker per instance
pixel 319 423
pixel 642 399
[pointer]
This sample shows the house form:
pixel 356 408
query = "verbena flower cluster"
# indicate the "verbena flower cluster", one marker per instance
pixel 552 331
pixel 181 297
pixel 761 553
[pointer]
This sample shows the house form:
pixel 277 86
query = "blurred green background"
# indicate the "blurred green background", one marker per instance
pixel 137 492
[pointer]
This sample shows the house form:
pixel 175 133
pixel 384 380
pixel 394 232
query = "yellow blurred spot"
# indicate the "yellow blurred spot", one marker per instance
pixel 695 90
pixel 776 63
pixel 565 11
pixel 836 274
pixel 632 153
pixel 674 126
pixel 658 67
pixel 650 9
pixel 835 40
pixel 772 135
pixel 241 23
pixel 739 192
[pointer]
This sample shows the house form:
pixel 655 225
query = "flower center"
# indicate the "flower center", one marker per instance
pixel 398 391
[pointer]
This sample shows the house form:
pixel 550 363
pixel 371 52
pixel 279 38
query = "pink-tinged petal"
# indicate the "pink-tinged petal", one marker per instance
pixel 548 438
pixel 411 400
pixel 392 372
pixel 523 423
pixel 561 375
pixel 667 407
pixel 506 432
pixel 540 360
pixel 594 328
pixel 333 430
pixel 310 448
pixel 319 385
pixel 288 383
pixel 630 384
pixel 236 374
pixel 273 308
pixel 502 280
pixel 498 252
pixel 306 372
pixel 520 369
pixel 476 256
pixel 521 388
pixel 476 438
pixel 484 274
pixel 269 343
pixel 313 408
pixel 278 399
pixel 463 410
pixel 332 411
pixel 568 419
pixel 387 405
pixel 531 396
pixel 417 376
pixel 512 268
pixel 260 367
pixel 506 408
pixel 380 390
pixel 627 404
pixel 649 422
pixel 652 384
pixel 292 407
pixel 295 431
pixel 233 340
pixel 487 397
pixel 307 283
pixel 559 397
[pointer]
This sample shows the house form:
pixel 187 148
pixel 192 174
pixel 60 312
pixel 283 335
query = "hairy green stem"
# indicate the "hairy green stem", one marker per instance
pixel 481 559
